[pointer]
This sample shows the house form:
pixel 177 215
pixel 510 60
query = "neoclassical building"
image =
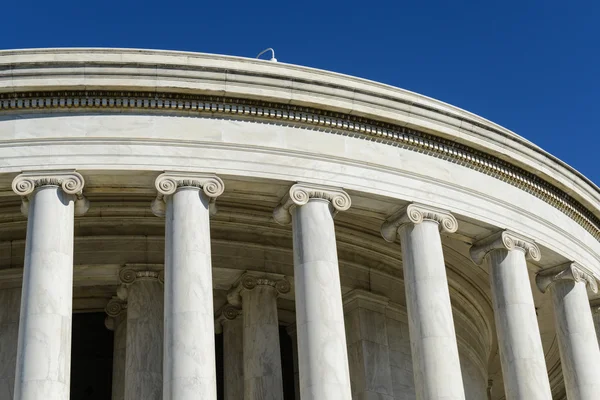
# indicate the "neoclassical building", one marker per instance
pixel 179 226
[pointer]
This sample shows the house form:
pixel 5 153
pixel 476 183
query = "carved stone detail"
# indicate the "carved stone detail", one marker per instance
pixel 70 182
pixel 300 193
pixel 128 276
pixel 115 307
pixel 569 271
pixel 249 281
pixel 167 184
pixel 416 213
pixel 504 240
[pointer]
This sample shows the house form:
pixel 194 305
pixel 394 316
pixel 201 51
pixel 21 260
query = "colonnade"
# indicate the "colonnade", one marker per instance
pixel 164 346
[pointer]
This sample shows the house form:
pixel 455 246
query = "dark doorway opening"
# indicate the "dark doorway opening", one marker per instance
pixel 91 358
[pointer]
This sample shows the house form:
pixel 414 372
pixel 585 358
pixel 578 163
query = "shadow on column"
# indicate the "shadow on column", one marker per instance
pixel 91 357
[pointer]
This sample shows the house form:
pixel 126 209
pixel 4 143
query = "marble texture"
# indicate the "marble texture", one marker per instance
pixel 435 357
pixel 44 349
pixel 520 345
pixel 577 340
pixel 233 358
pixel 262 356
pixel 144 352
pixel 368 350
pixel 10 300
pixel 189 359
pixel 322 350
pixel 119 356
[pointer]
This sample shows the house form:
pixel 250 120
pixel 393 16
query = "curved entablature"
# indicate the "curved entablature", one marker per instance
pixel 105 80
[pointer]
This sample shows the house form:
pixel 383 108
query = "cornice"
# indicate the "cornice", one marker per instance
pixel 335 122
pixel 70 182
pixel 504 240
pixel 167 184
pixel 300 193
pixel 571 271
pixel 416 213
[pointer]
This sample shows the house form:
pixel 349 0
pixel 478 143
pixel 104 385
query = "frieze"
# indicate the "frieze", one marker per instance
pixel 217 106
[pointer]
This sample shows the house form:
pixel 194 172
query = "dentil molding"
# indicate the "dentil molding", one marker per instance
pixel 570 271
pixel 300 194
pixel 416 213
pixel 70 182
pixel 167 184
pixel 506 240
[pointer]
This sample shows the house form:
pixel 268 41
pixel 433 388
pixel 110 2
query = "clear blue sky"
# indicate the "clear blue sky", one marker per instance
pixel 531 66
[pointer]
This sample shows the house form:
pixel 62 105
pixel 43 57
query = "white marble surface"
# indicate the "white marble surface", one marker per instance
pixel 10 300
pixel 44 352
pixel 144 352
pixel 435 357
pixel 579 352
pixel 119 349
pixel 189 364
pixel 322 351
pixel 368 351
pixel 262 357
pixel 520 345
pixel 233 358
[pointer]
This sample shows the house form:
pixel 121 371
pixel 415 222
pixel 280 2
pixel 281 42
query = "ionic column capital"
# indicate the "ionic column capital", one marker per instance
pixel 416 213
pixel 167 184
pixel 507 240
pixel 300 194
pixel 70 182
pixel 571 271
pixel 113 309
pixel 249 281
pixel 227 313
pixel 128 276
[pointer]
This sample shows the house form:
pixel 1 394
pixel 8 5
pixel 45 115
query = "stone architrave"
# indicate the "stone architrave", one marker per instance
pixel 50 200
pixel 520 344
pixel 322 351
pixel 436 363
pixel 144 350
pixel 577 342
pixel 185 200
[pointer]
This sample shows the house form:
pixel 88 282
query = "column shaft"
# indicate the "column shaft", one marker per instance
pixel 119 349
pixel 435 357
pixel 262 356
pixel 322 353
pixel 520 345
pixel 44 350
pixel 144 353
pixel 577 341
pixel 10 300
pixel 189 369
pixel 233 358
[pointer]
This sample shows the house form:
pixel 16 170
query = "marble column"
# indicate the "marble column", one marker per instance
pixel 577 342
pixel 189 353
pixel 436 363
pixel 291 331
pixel 10 300
pixel 368 348
pixel 595 305
pixel 50 201
pixel 116 321
pixel 233 353
pixel 520 345
pixel 262 355
pixel 144 350
pixel 322 352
